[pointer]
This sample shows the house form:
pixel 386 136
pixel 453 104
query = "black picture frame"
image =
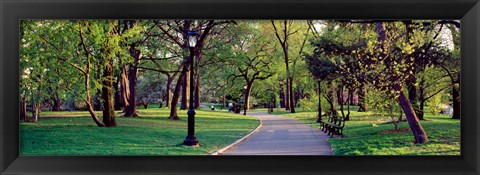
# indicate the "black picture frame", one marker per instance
pixel 12 11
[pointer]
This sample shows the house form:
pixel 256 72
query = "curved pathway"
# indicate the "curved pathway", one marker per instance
pixel 282 136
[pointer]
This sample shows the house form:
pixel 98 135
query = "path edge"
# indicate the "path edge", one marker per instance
pixel 218 152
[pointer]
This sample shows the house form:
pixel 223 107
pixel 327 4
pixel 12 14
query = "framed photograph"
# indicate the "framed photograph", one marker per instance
pixel 239 87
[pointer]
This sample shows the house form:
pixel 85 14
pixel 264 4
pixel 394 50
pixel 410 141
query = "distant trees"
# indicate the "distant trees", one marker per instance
pixel 115 64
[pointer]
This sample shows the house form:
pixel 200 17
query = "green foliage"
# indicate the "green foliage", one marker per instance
pixel 150 87
pixel 309 103
pixel 436 103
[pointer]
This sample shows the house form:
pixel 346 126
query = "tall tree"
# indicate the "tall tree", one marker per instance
pixel 282 37
pixel 250 57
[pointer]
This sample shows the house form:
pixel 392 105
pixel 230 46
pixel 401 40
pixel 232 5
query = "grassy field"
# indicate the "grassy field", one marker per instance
pixel 74 133
pixel 365 134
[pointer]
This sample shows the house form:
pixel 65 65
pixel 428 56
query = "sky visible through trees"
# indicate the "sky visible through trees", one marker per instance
pixel 400 69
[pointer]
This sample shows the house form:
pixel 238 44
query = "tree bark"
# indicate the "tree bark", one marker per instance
pixel 176 93
pixel 292 101
pixel 350 94
pixel 456 101
pixel 56 102
pixel 23 108
pixel 282 96
pixel 417 129
pixel 117 97
pixel 319 109
pixel 340 99
pixel 350 97
pixel 97 104
pixel 287 95
pixel 86 73
pixel 131 109
pixel 89 103
pixel 362 106
pixel 412 96
pixel 274 102
pixel 185 92
pixel 224 104
pixel 107 95
pixel 332 100
pixel 247 94
pixel 169 90
pixel 35 111
pixel 124 87
pixel 421 107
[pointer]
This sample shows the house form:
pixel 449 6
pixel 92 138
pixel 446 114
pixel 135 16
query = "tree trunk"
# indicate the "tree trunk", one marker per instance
pixel 287 95
pixel 169 90
pixel 131 109
pixel 350 97
pixel 274 102
pixel 319 111
pixel 56 102
pixel 145 105
pixel 282 96
pixel 362 106
pixel 247 94
pixel 456 101
pixel 421 107
pixel 117 97
pixel 340 99
pixel 107 95
pixel 23 108
pixel 124 87
pixel 417 129
pixel 412 96
pixel 332 100
pixel 185 91
pixel 292 101
pixel 97 104
pixel 89 102
pixel 35 111
pixel 224 104
pixel 176 93
pixel 350 94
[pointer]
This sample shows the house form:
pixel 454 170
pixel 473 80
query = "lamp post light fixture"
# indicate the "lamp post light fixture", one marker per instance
pixel 245 100
pixel 191 140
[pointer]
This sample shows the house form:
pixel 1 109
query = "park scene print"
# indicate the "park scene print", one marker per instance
pixel 239 87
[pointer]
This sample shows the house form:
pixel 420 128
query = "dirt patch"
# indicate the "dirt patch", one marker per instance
pixel 395 131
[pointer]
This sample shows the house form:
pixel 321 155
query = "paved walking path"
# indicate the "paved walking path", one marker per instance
pixel 282 136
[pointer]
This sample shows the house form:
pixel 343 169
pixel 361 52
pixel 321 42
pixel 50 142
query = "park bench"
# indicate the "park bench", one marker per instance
pixel 332 125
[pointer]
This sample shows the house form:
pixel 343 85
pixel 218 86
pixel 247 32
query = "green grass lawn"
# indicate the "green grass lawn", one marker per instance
pixel 364 137
pixel 150 134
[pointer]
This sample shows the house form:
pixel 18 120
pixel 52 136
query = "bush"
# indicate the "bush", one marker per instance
pixel 435 104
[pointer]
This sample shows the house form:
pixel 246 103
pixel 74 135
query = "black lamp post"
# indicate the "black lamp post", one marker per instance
pixel 191 140
pixel 245 100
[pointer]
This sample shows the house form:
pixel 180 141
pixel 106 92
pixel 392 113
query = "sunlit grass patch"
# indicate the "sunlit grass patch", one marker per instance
pixel 364 136
pixel 149 134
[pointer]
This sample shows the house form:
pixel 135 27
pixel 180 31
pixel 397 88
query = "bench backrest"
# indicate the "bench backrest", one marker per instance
pixel 338 120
